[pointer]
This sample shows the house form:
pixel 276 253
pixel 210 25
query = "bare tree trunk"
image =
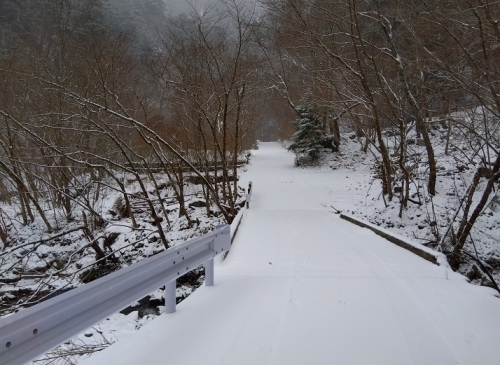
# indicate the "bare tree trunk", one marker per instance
pixel 240 95
pixel 431 184
pixel 448 134
pixel 467 223
pixel 26 194
pixel 90 237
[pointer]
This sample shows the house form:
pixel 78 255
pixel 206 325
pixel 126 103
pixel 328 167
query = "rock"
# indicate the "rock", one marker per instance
pixel 156 251
pixel 89 275
pixel 145 306
pixel 493 262
pixel 487 283
pixel 195 180
pixel 473 273
pixel 153 222
pixel 494 204
pixel 192 278
pixel 58 264
pixel 97 271
pixel 143 312
pixel 163 186
pixel 198 204
pixel 43 251
pixel 120 208
pixel 65 242
pixel 110 239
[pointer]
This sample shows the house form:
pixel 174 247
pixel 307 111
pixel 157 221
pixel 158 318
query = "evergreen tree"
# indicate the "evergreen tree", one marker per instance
pixel 309 135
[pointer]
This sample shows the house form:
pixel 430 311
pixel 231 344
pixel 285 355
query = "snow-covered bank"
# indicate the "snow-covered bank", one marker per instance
pixel 418 249
pixel 302 286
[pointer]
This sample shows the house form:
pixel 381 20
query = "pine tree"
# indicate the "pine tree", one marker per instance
pixel 309 135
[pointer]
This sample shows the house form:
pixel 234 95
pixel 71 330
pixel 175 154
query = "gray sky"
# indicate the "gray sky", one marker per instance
pixel 180 6
pixel 176 7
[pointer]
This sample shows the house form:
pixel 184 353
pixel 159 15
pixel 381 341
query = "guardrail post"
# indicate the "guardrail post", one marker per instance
pixel 209 272
pixel 221 243
pixel 170 296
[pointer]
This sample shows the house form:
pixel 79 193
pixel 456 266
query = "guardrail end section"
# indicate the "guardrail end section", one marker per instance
pixel 222 239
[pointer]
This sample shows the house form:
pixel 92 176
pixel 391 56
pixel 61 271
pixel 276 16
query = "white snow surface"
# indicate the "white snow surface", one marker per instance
pixel 440 257
pixel 302 286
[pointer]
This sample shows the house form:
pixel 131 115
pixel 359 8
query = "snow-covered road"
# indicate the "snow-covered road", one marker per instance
pixel 302 286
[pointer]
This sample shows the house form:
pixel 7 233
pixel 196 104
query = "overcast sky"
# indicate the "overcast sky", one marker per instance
pixel 179 6
pixel 175 7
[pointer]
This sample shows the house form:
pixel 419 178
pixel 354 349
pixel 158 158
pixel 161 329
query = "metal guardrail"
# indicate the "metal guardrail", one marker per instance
pixel 33 331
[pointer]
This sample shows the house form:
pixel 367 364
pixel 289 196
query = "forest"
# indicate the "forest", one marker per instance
pixel 119 111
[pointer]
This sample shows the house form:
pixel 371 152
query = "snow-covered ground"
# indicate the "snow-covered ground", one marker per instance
pixel 38 264
pixel 302 286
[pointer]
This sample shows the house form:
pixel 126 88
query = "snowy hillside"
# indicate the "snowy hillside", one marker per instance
pixel 428 219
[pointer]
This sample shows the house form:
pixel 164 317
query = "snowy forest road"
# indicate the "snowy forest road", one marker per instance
pixel 302 286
